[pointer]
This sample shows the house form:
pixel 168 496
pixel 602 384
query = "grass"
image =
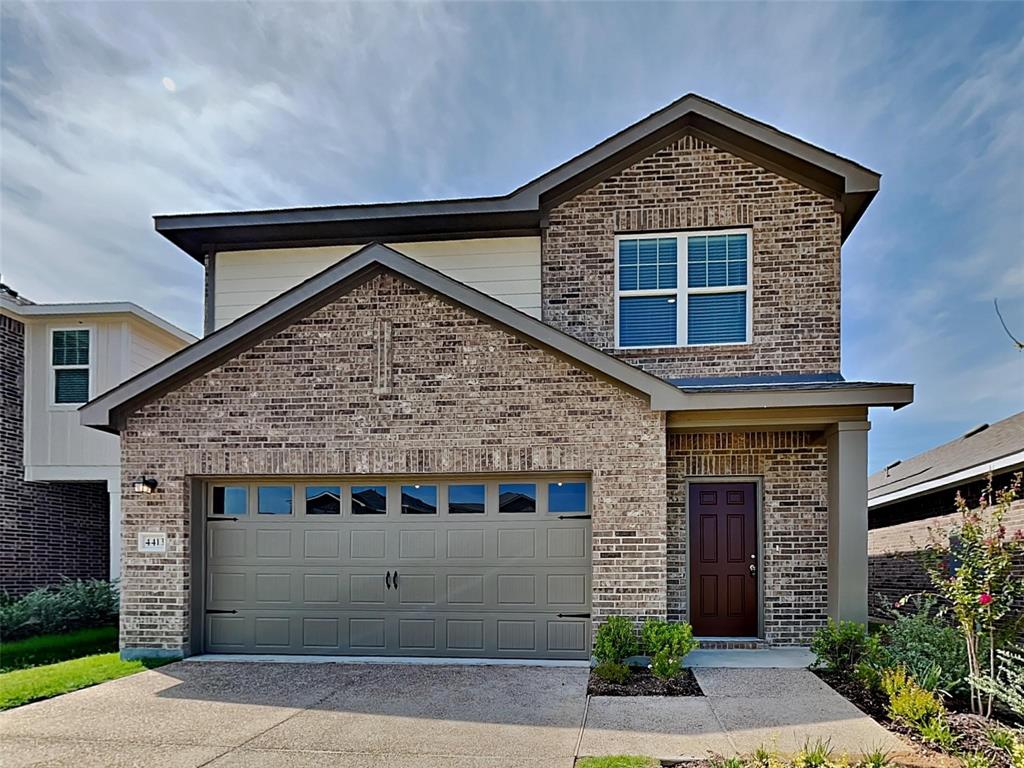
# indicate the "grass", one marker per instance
pixel 26 685
pixel 47 649
pixel 618 761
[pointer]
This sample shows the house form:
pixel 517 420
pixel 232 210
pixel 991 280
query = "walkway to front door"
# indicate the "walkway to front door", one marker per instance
pixel 723 559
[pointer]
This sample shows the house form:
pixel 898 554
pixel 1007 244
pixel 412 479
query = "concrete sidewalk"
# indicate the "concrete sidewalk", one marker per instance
pixel 741 710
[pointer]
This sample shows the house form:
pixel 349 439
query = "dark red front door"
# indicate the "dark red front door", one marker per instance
pixel 723 559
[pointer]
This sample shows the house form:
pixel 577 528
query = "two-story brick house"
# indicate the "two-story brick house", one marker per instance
pixel 478 427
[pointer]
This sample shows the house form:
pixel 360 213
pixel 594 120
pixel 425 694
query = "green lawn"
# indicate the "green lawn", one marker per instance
pixel 619 761
pixel 46 649
pixel 25 685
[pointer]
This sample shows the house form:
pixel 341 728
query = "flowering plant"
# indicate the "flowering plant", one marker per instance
pixel 971 565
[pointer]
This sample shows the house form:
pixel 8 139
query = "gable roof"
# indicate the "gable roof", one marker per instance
pixel 110 410
pixel 522 211
pixel 987 448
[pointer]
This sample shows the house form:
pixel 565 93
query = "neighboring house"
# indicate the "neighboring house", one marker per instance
pixel 909 497
pixel 60 483
pixel 615 390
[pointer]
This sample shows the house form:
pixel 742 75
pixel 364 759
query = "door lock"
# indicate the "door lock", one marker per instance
pixel 753 569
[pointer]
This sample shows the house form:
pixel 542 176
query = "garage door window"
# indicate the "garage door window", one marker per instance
pixel 567 498
pixel 467 499
pixel 419 499
pixel 230 500
pixel 517 498
pixel 274 500
pixel 369 500
pixel 323 500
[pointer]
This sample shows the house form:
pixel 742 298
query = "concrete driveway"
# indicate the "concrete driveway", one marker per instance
pixel 256 715
pixel 263 715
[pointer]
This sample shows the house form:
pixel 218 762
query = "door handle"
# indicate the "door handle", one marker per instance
pixel 387 579
pixel 396 579
pixel 753 570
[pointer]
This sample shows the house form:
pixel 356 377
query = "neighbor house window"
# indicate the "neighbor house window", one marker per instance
pixel 684 289
pixel 70 360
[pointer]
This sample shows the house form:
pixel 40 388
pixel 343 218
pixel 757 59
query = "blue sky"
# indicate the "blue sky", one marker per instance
pixel 114 112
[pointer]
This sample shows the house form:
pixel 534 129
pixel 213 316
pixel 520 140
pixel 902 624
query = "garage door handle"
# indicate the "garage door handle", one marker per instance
pixel 219 610
pixel 396 579
pixel 221 518
pixel 574 517
pixel 387 579
pixel 574 615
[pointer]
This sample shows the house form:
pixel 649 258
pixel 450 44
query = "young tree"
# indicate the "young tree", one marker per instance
pixel 971 565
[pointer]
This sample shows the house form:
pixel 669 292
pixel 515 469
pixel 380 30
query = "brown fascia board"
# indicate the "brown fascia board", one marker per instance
pixel 521 211
pixel 109 411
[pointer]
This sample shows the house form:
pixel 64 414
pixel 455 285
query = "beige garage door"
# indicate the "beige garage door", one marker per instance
pixel 488 567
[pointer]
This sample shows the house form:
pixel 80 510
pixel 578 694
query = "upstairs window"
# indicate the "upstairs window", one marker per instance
pixel 684 289
pixel 70 361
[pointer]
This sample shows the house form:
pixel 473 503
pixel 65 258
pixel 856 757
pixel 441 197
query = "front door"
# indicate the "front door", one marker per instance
pixel 723 559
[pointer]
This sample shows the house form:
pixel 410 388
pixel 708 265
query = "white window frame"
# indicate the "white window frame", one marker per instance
pixel 682 291
pixel 52 369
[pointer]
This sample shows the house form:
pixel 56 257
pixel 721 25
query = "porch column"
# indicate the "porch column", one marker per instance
pixel 848 520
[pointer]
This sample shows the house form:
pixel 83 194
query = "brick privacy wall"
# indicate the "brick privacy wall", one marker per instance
pixel 47 530
pixel 692 185
pixel 794 557
pixel 461 397
pixel 894 566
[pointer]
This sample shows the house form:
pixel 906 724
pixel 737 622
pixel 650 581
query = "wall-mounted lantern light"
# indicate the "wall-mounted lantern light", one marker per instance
pixel 144 485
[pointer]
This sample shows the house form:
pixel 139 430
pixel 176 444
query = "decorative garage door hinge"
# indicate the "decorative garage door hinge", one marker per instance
pixel 220 518
pixel 219 610
pixel 574 517
pixel 574 615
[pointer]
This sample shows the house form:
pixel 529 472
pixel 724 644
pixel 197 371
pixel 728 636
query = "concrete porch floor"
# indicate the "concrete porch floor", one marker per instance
pixel 221 715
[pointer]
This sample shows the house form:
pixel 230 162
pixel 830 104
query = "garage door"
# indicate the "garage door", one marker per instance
pixel 495 567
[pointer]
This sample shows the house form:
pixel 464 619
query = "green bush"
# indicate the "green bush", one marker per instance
pixel 842 647
pixel 909 703
pixel 933 652
pixel 674 637
pixel 1007 684
pixel 72 605
pixel 937 732
pixel 612 672
pixel 615 640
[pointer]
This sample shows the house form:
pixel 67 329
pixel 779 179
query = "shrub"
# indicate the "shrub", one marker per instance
pixel 615 640
pixel 1007 684
pixel 665 665
pixel 909 703
pixel 936 731
pixel 933 652
pixel 612 672
pixel 72 605
pixel 842 647
pixel 816 755
pixel 676 638
pixel 972 567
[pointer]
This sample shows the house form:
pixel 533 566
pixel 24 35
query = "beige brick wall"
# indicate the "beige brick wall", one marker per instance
pixel 793 471
pixel 692 185
pixel 462 397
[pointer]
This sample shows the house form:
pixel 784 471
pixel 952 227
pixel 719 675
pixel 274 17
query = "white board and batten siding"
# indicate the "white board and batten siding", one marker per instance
pixel 57 446
pixel 506 268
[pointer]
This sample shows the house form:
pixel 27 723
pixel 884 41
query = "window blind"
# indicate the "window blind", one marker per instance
pixel 647 321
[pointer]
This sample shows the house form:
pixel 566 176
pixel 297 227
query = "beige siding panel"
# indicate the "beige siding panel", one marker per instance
pixel 57 446
pixel 506 268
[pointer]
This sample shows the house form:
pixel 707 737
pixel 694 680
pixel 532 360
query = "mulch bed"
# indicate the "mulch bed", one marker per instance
pixel 643 683
pixel 971 730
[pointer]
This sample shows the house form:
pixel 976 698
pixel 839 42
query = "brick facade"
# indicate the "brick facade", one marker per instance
pixel 692 185
pixel 460 396
pixel 894 566
pixel 793 471
pixel 47 530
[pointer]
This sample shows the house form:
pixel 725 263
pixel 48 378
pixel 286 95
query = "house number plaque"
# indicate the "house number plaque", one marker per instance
pixel 152 542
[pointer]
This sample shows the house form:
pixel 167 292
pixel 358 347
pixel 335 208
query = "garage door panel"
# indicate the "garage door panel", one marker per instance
pixel 461 585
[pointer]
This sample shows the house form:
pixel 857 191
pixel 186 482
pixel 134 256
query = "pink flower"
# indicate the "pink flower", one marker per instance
pixel 984 598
